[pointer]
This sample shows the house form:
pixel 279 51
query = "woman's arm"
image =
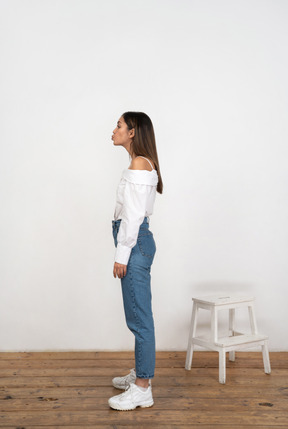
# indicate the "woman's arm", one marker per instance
pixel 133 213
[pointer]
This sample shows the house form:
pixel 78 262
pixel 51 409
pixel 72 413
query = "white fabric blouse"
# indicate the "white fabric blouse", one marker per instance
pixel 135 197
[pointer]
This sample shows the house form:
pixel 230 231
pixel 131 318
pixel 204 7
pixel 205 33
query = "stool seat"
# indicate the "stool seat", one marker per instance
pixel 236 340
pixel 223 299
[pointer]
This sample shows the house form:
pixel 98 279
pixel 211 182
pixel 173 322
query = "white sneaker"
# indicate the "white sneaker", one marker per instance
pixel 123 382
pixel 132 397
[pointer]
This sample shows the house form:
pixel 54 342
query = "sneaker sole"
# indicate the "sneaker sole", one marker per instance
pixel 130 409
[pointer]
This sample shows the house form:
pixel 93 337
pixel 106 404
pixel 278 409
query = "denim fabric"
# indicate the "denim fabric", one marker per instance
pixel 137 298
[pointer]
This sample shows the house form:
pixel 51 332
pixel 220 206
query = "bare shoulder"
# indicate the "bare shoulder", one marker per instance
pixel 139 163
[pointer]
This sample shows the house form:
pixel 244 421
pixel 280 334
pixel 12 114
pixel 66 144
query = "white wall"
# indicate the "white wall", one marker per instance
pixel 212 75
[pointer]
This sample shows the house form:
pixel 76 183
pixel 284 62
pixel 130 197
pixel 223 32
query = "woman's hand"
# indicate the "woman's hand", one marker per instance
pixel 119 270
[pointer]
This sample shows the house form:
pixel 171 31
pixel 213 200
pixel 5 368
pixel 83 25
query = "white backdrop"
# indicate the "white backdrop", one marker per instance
pixel 212 75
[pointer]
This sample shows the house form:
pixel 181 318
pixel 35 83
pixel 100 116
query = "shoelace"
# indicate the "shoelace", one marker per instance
pixel 127 388
pixel 131 375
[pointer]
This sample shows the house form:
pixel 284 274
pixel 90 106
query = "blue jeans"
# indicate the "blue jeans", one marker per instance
pixel 137 298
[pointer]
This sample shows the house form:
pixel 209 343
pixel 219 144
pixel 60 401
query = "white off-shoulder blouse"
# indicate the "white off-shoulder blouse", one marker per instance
pixel 135 197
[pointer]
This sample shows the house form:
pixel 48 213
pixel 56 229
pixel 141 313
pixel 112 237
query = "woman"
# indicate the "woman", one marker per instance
pixel 135 250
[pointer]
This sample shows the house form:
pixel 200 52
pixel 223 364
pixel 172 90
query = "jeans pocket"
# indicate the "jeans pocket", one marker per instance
pixel 147 245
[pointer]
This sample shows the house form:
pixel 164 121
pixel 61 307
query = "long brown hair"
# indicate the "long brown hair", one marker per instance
pixel 144 142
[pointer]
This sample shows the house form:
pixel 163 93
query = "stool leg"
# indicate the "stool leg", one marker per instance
pixel 192 332
pixel 222 366
pixel 214 325
pixel 266 360
pixel 252 318
pixel 232 331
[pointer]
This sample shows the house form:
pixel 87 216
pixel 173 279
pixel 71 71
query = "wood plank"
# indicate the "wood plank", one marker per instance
pixel 210 359
pixel 209 362
pixel 111 372
pixel 230 391
pixel 151 426
pixel 49 403
pixel 126 355
pixel 144 416
pixel 262 380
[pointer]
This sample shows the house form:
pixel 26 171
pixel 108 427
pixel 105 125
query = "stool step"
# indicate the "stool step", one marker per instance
pixel 236 340
pixel 240 339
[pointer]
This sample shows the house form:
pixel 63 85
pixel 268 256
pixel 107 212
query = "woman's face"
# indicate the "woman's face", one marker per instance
pixel 121 135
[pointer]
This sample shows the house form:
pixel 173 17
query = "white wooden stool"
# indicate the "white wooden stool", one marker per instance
pixel 235 341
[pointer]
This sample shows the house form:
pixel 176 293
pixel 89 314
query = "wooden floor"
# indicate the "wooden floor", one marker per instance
pixel 71 390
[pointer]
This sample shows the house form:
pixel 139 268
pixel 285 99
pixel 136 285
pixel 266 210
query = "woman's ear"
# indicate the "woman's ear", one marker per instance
pixel 132 133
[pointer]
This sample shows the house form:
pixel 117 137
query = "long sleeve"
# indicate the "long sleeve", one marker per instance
pixel 133 213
